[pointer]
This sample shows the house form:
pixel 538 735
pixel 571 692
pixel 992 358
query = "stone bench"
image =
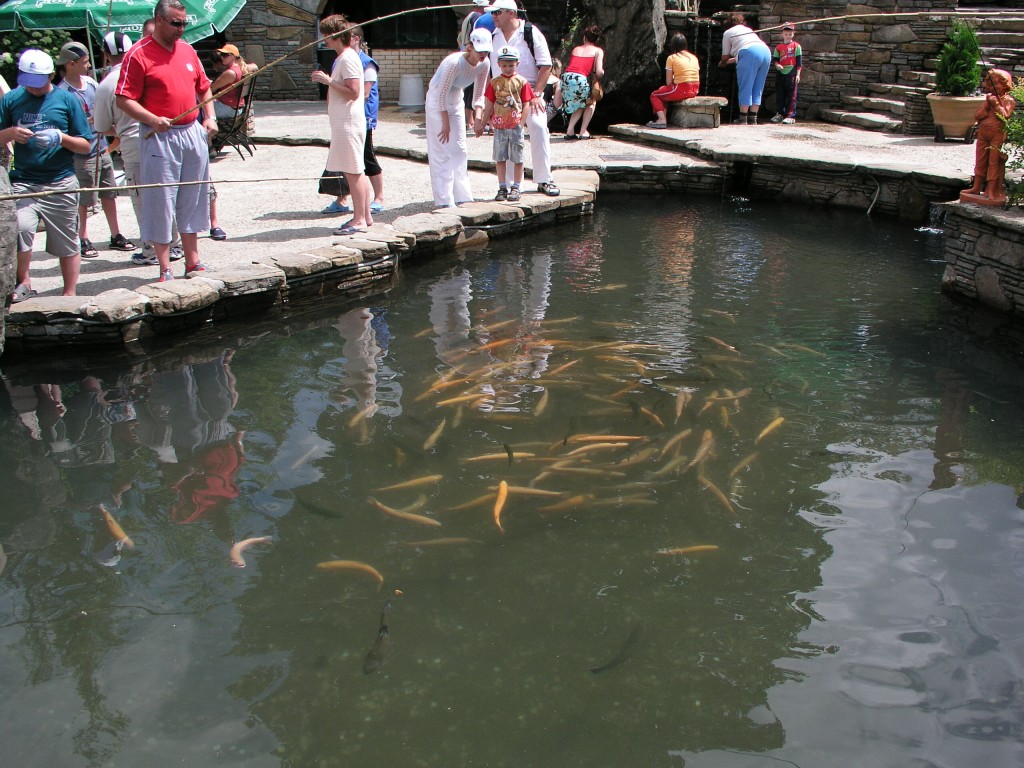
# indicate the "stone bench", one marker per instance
pixel 698 112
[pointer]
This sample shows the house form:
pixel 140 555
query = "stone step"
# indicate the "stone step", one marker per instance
pixel 897 91
pixel 890 107
pixel 1002 22
pixel 866 120
pixel 922 79
pixel 1010 39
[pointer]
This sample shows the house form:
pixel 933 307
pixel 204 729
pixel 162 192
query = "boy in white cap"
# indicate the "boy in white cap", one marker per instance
pixel 446 135
pixel 535 66
pixel 508 102
pixel 74 58
pixel 48 127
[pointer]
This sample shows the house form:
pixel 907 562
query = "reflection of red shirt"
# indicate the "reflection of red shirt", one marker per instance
pixel 167 83
pixel 210 486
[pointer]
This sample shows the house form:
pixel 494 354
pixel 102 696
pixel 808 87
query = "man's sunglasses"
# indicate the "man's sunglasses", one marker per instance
pixel 177 24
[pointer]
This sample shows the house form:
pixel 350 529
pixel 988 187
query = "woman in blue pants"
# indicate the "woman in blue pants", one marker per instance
pixel 751 55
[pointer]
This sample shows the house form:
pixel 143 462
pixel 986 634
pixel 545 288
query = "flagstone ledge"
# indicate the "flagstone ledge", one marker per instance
pixel 352 264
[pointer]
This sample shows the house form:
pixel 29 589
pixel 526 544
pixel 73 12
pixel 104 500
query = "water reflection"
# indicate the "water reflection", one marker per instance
pixel 864 582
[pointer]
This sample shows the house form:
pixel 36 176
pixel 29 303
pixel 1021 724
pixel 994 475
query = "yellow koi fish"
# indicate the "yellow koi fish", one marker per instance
pixel 688 550
pixel 707 443
pixel 673 441
pixel 115 529
pixel 399 514
pixel 743 463
pixel 563 367
pixel 416 482
pixel 570 503
pixel 772 426
pixel 722 344
pixel 431 441
pixel 717 493
pixel 239 547
pixel 498 456
pixel 335 566
pixel 499 503
pixel 542 404
pixel 479 501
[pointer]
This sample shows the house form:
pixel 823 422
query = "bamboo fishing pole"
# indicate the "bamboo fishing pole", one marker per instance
pixel 876 15
pixel 307 46
pixel 161 185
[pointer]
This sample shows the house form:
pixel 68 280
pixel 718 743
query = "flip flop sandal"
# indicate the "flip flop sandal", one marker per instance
pixel 88 250
pixel 376 207
pixel 335 208
pixel 120 243
pixel 21 293
pixel 348 231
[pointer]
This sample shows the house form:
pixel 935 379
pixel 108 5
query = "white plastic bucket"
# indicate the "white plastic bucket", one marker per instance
pixel 410 92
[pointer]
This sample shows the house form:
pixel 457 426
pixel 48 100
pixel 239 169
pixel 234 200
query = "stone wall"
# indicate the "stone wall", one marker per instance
pixel 985 255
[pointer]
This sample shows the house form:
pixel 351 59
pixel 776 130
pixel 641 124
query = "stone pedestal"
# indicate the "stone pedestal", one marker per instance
pixel 698 112
pixel 968 197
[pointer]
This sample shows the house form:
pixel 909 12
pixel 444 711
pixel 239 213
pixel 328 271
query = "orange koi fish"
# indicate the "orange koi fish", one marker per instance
pixel 414 483
pixel 335 566
pixel 399 514
pixel 115 529
pixel 499 503
pixel 688 550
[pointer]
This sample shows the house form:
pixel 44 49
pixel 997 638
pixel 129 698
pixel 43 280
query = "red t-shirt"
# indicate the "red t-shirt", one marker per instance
pixel 167 83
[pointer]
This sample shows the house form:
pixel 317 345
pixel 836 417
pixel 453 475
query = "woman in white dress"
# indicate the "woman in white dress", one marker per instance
pixel 347 116
pixel 446 154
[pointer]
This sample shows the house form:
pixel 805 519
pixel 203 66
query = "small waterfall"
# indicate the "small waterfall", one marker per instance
pixel 936 220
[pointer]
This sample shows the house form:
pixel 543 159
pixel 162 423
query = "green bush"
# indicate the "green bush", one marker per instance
pixel 1013 147
pixel 49 40
pixel 959 73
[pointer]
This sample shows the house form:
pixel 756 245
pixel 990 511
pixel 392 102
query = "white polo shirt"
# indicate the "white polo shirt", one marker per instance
pixel 528 63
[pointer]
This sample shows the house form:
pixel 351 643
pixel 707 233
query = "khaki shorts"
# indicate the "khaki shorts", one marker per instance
pixel 59 212
pixel 85 170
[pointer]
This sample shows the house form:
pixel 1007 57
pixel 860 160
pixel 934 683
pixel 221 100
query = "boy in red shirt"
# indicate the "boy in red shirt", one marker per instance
pixel 787 58
pixel 507 99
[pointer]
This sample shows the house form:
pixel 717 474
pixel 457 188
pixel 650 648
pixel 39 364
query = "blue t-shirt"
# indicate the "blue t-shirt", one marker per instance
pixel 57 109
pixel 486 21
pixel 373 99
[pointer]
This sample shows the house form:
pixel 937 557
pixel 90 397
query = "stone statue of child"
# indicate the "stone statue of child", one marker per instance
pixel 990 162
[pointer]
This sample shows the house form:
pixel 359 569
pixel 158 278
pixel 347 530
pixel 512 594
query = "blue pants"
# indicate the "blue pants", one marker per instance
pixel 751 71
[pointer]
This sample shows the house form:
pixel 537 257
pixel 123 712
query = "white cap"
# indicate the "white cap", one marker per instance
pixel 504 5
pixel 481 2
pixel 481 40
pixel 116 43
pixel 508 53
pixel 34 68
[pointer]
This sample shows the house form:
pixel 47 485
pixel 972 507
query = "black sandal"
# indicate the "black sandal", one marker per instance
pixel 88 250
pixel 120 243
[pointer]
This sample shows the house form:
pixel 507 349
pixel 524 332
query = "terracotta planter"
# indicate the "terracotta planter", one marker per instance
pixel 954 116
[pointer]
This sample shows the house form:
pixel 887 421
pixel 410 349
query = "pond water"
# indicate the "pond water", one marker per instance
pixel 781 519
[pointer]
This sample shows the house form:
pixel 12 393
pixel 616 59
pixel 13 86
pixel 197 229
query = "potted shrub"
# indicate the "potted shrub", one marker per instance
pixel 957 85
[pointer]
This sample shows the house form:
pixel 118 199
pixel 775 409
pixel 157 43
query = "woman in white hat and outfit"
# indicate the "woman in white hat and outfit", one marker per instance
pixel 446 135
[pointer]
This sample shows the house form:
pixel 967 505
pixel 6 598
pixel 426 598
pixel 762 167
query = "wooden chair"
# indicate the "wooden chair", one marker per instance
pixel 232 130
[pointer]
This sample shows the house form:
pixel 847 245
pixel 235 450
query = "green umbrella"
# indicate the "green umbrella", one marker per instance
pixel 204 16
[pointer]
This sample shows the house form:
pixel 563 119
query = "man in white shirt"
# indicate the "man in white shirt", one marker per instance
pixel 535 66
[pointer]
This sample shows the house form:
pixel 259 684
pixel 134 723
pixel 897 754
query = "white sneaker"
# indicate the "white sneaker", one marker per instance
pixel 777 119
pixel 789 121
pixel 177 252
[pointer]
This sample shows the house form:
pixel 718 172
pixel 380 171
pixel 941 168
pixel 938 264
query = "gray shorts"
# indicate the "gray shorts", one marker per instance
pixel 58 212
pixel 178 155
pixel 509 145
pixel 85 170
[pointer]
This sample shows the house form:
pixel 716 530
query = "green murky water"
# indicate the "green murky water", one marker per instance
pixel 855 601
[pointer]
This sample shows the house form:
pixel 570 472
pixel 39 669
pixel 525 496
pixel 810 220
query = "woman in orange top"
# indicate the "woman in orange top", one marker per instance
pixel 682 80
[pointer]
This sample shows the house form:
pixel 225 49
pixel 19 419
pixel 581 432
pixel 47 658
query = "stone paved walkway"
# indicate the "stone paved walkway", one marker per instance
pixel 268 203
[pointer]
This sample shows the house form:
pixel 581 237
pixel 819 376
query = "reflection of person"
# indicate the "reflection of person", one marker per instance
pixel 534 65
pixel 48 127
pixel 346 110
pixel 788 58
pixel 682 80
pixel 446 154
pixel 586 60
pixel 741 46
pixel 233 69
pixel 161 78
pixel 989 160
pixel 91 173
pixel 508 102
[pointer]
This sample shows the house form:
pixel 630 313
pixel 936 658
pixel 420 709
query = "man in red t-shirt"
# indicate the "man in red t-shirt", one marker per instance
pixel 160 85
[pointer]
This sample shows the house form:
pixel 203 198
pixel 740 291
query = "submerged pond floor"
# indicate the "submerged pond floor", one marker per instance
pixel 686 483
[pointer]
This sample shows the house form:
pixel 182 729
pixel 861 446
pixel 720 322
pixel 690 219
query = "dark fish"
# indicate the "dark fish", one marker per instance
pixel 375 657
pixel 628 647
pixel 510 452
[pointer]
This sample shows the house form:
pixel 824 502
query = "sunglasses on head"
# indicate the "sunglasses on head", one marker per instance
pixel 177 24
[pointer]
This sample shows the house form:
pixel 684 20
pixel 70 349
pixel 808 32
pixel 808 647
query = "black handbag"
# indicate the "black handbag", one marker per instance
pixel 333 183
